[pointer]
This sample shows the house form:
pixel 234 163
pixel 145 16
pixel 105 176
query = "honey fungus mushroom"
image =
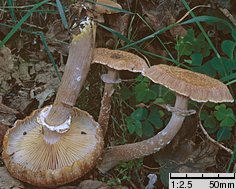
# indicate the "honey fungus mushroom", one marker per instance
pixel 115 61
pixel 59 143
pixel 186 85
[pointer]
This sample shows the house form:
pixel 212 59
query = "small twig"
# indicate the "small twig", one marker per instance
pixel 228 15
pixel 5 109
pixel 151 168
pixel 208 136
pixel 187 13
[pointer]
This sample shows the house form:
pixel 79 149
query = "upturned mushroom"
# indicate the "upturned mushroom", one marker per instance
pixel 186 85
pixel 59 143
pixel 115 61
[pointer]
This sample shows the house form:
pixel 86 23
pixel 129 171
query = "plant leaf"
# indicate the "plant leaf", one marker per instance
pixel 154 117
pixel 139 114
pixel 224 134
pixel 62 14
pixel 148 130
pixel 228 47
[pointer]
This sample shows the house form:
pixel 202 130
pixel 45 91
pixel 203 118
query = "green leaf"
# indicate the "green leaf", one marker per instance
pixel 139 90
pixel 225 115
pixel 141 78
pixel 220 113
pixel 218 65
pixel 155 88
pixel 206 68
pixel 11 9
pixel 140 114
pixel 233 157
pixel 149 95
pixel 227 122
pixel 148 130
pixel 224 134
pixel 196 59
pixel 138 128
pixel 228 77
pixel 169 97
pixel 130 124
pixel 234 34
pixel 209 19
pixel 228 47
pixel 134 126
pixel 203 115
pixel 154 117
pixel 143 93
pixel 201 45
pixel 159 101
pixel 125 93
pixel 223 112
pixel 210 122
pixel 184 44
pixel 62 14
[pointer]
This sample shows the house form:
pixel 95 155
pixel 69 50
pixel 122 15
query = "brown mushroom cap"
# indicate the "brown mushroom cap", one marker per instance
pixel 31 159
pixel 119 60
pixel 104 10
pixel 196 86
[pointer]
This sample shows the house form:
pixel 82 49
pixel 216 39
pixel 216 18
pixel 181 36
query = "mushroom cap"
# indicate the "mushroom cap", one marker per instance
pixel 198 87
pixel 29 158
pixel 105 10
pixel 119 60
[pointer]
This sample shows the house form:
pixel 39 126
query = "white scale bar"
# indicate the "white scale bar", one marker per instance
pixel 202 180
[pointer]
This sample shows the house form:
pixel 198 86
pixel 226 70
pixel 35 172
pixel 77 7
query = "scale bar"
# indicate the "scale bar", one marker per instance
pixel 203 177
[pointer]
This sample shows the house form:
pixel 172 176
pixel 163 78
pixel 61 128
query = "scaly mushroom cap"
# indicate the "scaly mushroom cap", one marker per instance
pixel 119 60
pixel 29 158
pixel 105 10
pixel 196 86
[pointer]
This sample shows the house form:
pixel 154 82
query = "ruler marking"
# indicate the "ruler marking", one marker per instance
pixel 202 177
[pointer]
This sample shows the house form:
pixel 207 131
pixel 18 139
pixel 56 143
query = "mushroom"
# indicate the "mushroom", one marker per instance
pixel 58 144
pixel 186 84
pixel 114 60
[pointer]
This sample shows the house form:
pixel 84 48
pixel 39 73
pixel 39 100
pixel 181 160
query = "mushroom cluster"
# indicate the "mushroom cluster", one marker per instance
pixel 186 85
pixel 60 143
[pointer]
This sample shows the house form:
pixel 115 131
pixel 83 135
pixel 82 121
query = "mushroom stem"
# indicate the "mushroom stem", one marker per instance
pixel 76 70
pixel 127 152
pixel 105 109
